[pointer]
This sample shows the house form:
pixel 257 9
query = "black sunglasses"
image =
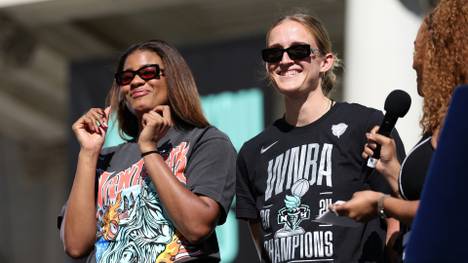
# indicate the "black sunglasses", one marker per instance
pixel 146 72
pixel 275 54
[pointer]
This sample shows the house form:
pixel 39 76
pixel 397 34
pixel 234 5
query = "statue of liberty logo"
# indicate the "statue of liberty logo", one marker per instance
pixel 294 212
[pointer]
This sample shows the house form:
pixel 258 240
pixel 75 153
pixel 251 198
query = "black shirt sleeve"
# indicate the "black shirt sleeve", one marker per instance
pixel 245 201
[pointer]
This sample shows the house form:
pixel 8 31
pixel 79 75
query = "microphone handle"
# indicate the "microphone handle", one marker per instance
pixel 385 129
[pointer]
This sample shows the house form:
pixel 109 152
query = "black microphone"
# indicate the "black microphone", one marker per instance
pixel 396 106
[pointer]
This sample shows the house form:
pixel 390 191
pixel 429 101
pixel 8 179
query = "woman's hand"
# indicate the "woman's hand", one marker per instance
pixel 79 223
pixel 362 207
pixel 388 164
pixel 155 125
pixel 90 129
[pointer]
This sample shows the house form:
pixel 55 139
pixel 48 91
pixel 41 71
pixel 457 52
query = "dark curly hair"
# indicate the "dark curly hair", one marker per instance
pixel 445 60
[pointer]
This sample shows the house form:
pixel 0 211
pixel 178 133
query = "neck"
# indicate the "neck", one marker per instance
pixel 301 111
pixel 435 137
pixel 140 126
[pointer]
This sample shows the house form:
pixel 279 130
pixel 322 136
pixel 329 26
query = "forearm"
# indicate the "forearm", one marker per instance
pixel 403 210
pixel 80 217
pixel 393 226
pixel 194 216
pixel 391 173
pixel 255 233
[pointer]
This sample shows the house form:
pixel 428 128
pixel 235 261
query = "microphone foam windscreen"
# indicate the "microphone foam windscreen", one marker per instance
pixel 397 103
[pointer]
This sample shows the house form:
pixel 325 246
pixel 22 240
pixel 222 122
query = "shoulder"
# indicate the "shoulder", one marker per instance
pixel 194 134
pixel 359 114
pixel 210 133
pixel 356 108
pixel 213 132
pixel 210 137
pixel 266 137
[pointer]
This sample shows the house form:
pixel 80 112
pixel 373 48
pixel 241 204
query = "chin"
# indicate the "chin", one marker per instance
pixel 290 86
pixel 288 90
pixel 139 108
pixel 141 104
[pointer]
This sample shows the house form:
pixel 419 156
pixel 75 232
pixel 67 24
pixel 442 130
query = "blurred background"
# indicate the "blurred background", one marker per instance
pixel 57 59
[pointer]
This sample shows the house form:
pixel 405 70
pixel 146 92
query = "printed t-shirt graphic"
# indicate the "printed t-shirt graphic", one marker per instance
pixel 132 224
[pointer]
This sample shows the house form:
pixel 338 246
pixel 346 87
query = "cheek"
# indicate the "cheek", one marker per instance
pixel 123 92
pixel 162 96
pixel 270 68
pixel 164 90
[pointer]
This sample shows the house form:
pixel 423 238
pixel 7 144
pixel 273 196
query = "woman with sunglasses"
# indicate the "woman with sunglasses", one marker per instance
pixel 289 174
pixel 159 196
pixel 440 61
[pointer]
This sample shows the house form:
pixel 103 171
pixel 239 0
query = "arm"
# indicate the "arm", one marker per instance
pixel 403 210
pixel 245 199
pixel 363 207
pixel 391 247
pixel 194 216
pixel 393 227
pixel 255 233
pixel 393 242
pixel 79 223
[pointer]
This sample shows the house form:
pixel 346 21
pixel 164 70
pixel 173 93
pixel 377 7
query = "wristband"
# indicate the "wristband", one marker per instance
pixel 380 206
pixel 149 152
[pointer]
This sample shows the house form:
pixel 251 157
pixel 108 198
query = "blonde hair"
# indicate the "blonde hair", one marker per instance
pixel 316 28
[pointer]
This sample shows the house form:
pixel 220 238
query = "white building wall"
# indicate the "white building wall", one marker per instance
pixel 379 45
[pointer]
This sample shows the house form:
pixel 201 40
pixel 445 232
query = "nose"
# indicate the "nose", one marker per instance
pixel 137 81
pixel 285 59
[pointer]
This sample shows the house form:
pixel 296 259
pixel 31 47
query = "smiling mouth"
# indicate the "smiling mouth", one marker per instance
pixel 288 73
pixel 139 93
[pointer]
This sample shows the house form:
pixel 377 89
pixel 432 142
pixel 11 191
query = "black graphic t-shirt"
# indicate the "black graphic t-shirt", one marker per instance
pixel 287 176
pixel 132 224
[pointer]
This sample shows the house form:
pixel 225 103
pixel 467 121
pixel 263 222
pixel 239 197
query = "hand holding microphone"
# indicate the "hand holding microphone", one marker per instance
pixel 396 106
pixel 388 165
